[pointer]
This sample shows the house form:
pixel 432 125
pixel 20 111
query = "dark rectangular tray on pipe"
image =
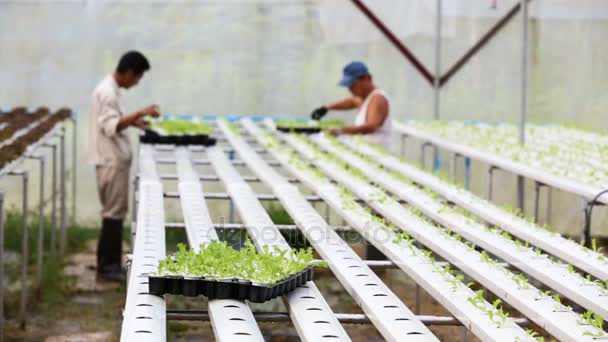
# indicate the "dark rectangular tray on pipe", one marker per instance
pixel 152 137
pixel 302 130
pixel 226 288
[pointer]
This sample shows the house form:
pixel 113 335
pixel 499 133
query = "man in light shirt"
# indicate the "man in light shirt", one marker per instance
pixel 109 150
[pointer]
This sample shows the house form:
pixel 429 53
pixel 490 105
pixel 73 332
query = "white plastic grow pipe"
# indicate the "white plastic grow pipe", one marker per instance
pixel 556 276
pixel 144 317
pixel 562 324
pixel 568 185
pixel 388 314
pixel 231 319
pixel 553 243
pixel 411 261
pixel 311 325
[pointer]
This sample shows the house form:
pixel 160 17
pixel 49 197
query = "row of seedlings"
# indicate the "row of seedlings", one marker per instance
pixel 556 149
pixel 309 312
pixel 537 305
pixel 487 321
pixel 512 221
pixel 232 320
pixel 553 273
pixel 388 314
pixel 563 182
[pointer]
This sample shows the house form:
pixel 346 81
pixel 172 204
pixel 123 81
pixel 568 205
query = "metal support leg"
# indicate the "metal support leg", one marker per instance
pixel 418 304
pixel 436 159
pixel 62 215
pixel 491 181
pixel 467 173
pixel 586 233
pixel 53 245
pixel 549 204
pixel 24 247
pixel 40 250
pixel 1 267
pixel 422 153
pixel 133 210
pixel 464 334
pixel 520 192
pixel 74 168
pixel 453 165
pixel 537 187
pixel 403 142
pixel 230 203
pixel 588 210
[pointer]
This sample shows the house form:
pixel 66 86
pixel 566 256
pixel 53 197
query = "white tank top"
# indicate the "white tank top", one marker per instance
pixel 382 136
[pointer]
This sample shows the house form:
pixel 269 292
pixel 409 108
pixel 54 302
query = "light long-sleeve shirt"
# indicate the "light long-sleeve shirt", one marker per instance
pixel 106 146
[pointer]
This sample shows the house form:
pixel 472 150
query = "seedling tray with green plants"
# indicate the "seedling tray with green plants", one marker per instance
pixel 307 127
pixel 178 132
pixel 220 272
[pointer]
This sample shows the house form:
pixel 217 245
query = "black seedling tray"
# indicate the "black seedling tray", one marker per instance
pixel 226 289
pixel 302 130
pixel 152 137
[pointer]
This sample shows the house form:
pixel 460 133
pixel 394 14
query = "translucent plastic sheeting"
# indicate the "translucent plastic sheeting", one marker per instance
pixel 277 57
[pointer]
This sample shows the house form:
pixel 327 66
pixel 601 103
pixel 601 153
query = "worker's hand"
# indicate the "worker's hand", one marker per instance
pixel 318 113
pixel 153 111
pixel 141 123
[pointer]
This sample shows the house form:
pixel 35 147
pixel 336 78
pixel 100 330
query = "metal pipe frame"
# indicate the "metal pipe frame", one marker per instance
pixel 53 245
pixel 483 41
pixel 403 144
pixel 537 187
pixel 74 168
pixel 1 266
pixel 40 250
pixel 214 178
pixel 426 74
pixel 62 191
pixel 260 197
pixel 423 147
pixel 453 165
pixel 436 80
pixel 346 318
pixel 24 246
pixel 442 80
pixel 490 185
pixel 235 162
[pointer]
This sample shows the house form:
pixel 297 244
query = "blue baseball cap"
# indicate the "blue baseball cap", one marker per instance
pixel 352 72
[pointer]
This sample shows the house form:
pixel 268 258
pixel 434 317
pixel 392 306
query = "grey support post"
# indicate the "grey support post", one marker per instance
pixel 40 250
pixel 491 181
pixel 74 169
pixel 24 247
pixel 62 215
pixel 53 245
pixel 1 267
pixel 524 97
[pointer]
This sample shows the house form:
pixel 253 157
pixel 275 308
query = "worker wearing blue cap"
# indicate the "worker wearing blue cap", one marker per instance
pixel 373 117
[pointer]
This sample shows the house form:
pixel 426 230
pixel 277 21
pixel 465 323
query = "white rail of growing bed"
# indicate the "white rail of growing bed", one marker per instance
pixel 568 185
pixel 552 242
pixel 231 319
pixel 309 312
pixel 528 300
pixel 388 314
pixel 449 291
pixel 538 265
pixel 144 317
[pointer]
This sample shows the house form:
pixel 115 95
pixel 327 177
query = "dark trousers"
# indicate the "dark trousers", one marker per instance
pixel 109 246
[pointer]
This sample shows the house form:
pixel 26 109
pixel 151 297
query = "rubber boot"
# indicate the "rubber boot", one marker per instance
pixel 109 251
